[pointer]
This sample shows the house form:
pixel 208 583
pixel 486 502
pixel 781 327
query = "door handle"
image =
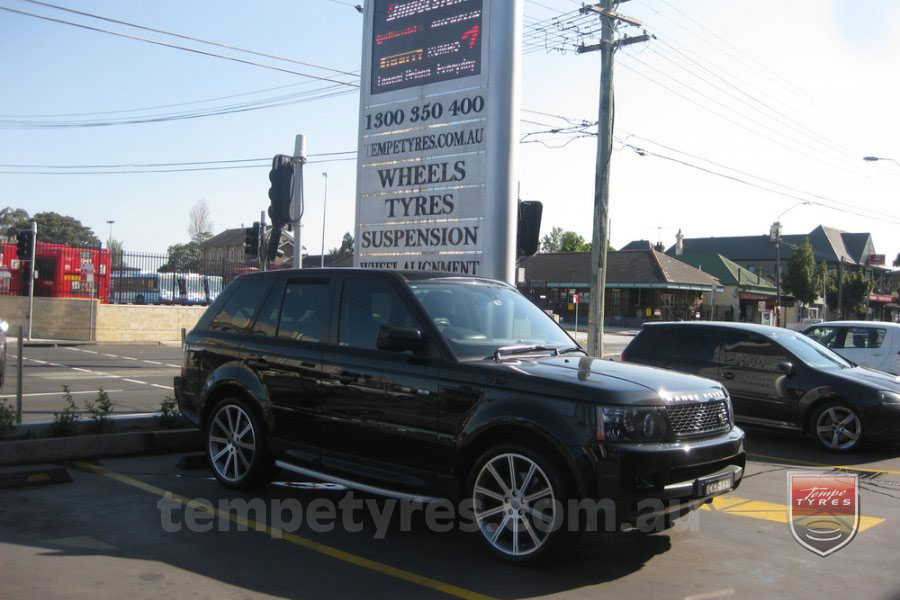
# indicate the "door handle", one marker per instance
pixel 258 362
pixel 727 375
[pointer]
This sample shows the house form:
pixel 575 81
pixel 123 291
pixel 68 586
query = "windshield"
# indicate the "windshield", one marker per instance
pixel 477 318
pixel 809 351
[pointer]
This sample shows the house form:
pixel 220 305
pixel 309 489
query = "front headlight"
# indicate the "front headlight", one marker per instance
pixel 888 397
pixel 4 326
pixel 631 424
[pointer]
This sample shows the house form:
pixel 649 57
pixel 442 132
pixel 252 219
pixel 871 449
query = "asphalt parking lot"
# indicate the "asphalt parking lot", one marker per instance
pixel 105 536
pixel 137 377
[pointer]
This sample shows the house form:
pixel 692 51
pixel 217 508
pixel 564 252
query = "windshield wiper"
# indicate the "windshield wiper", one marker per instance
pixel 524 349
pixel 572 349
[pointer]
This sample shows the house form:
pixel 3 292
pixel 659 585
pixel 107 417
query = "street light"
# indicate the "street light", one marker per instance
pixel 775 236
pixel 877 158
pixel 324 208
pixel 109 239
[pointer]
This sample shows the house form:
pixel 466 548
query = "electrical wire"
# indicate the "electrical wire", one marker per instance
pixel 174 46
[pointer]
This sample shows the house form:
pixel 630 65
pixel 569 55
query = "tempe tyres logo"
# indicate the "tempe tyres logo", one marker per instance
pixel 824 510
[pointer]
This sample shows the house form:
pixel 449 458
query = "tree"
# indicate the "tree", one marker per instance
pixel 572 242
pixel 200 226
pixel 54 228
pixel 800 278
pixel 115 250
pixel 182 258
pixel 552 242
pixel 346 246
pixel 897 260
pixel 857 287
pixel 13 219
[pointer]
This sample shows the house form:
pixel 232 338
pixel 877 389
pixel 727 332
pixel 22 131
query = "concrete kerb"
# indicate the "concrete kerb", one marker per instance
pixel 36 343
pixel 130 435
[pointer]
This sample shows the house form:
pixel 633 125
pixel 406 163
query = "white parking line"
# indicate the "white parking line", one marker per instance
pixel 79 369
pixel 163 387
pixel 135 381
pixel 152 362
pixel 56 393
pixel 90 351
pixel 111 355
pixel 173 366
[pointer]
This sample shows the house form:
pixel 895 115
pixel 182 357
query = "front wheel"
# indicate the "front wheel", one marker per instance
pixel 519 501
pixel 236 446
pixel 837 427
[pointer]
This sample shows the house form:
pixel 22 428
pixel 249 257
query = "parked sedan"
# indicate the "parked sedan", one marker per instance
pixel 779 378
pixel 873 344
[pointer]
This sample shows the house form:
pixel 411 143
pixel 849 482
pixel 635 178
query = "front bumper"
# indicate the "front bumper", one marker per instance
pixel 667 477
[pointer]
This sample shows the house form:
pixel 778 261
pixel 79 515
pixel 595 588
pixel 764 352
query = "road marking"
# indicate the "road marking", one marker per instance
pixel 164 387
pixel 341 555
pixel 173 366
pixel 82 370
pixel 767 511
pixel 127 358
pixel 823 465
pixel 111 355
pixel 135 381
pixel 90 351
pixel 153 362
pixel 710 595
pixel 56 393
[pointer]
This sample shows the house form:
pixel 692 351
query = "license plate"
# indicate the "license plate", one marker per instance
pixel 717 486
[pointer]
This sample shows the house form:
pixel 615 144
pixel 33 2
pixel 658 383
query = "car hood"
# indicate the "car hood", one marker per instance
pixel 606 381
pixel 880 379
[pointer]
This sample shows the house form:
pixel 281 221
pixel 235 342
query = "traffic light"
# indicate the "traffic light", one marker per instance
pixel 251 240
pixel 272 252
pixel 529 227
pixel 25 244
pixel 281 177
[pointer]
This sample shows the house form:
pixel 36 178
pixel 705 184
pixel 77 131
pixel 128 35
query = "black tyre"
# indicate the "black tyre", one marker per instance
pixel 520 498
pixel 236 446
pixel 837 426
pixel 139 299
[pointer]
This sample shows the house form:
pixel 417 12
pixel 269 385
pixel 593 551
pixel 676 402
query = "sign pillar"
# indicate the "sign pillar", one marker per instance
pixel 439 105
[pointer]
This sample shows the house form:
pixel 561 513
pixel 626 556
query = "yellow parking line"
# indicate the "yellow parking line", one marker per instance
pixel 341 555
pixel 767 511
pixel 823 465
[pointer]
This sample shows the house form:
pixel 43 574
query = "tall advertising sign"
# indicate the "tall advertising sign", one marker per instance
pixel 439 107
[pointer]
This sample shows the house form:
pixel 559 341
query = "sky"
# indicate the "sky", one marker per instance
pixel 727 99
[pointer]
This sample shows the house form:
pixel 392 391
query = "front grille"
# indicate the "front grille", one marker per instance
pixel 698 418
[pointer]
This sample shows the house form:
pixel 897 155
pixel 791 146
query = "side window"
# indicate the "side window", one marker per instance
pixel 366 305
pixel 751 351
pixel 238 311
pixel 697 344
pixel 305 311
pixel 827 336
pixel 267 320
pixel 863 337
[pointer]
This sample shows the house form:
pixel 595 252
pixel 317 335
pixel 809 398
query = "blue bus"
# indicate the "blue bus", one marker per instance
pixel 135 287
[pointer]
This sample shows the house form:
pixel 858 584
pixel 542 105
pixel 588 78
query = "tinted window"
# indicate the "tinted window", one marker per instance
pixel 689 343
pixel 751 351
pixel 238 311
pixel 267 320
pixel 366 305
pixel 863 337
pixel 305 310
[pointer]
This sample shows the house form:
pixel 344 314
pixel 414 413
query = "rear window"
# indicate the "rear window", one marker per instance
pixel 863 337
pixel 238 311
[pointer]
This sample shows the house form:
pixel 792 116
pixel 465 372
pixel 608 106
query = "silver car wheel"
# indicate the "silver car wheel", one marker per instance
pixel 515 506
pixel 232 442
pixel 838 428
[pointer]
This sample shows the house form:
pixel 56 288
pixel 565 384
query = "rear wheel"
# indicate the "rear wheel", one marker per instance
pixel 519 500
pixel 237 449
pixel 837 427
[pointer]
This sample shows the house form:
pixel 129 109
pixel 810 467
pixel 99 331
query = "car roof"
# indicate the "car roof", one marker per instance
pixel 857 324
pixel 760 329
pixel 407 275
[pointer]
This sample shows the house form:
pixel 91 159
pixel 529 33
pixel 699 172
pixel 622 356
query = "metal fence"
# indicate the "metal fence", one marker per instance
pixel 121 277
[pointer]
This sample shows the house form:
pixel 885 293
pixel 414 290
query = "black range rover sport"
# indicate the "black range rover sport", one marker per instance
pixel 426 385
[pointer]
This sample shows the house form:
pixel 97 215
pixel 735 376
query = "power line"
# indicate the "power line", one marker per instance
pixel 185 37
pixel 175 46
pixel 191 169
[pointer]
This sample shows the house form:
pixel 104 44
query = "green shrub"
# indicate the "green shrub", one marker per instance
pixel 7 418
pixel 65 423
pixel 100 408
pixel 169 413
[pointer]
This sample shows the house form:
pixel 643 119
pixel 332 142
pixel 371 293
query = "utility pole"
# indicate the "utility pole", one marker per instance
pixel 775 234
pixel 600 239
pixel 261 242
pixel 297 197
pixel 31 276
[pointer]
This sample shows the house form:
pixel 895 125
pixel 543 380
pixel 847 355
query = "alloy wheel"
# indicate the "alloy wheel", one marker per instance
pixel 515 506
pixel 232 443
pixel 838 428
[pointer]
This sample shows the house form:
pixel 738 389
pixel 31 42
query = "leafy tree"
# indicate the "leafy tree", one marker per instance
pixel 346 246
pixel 55 228
pixel 552 242
pixel 857 287
pixel 200 226
pixel 897 260
pixel 572 242
pixel 115 250
pixel 800 278
pixel 182 258
pixel 13 219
